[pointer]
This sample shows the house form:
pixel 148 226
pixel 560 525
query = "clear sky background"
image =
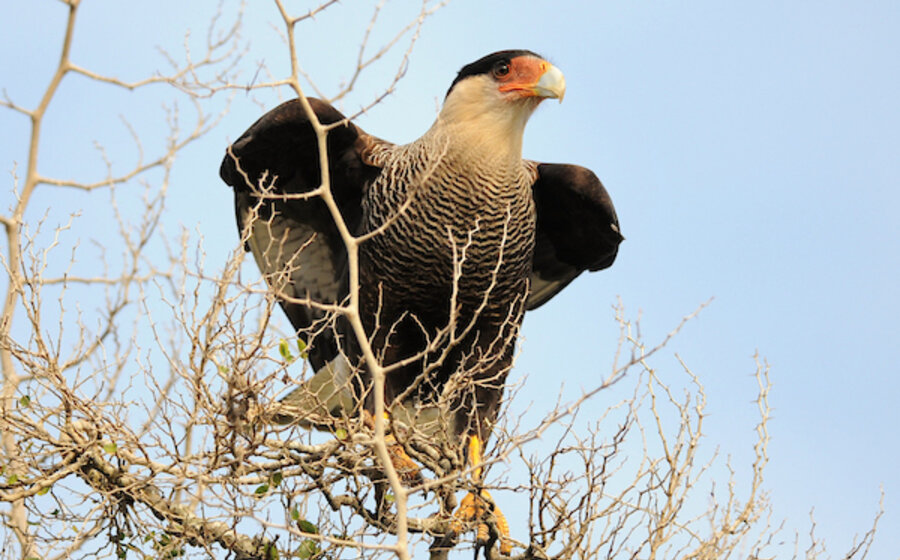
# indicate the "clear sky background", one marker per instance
pixel 752 151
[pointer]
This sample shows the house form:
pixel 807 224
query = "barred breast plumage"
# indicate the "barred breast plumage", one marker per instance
pixel 450 250
pixel 447 218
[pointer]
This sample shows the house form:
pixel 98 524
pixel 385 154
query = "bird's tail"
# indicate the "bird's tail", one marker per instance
pixel 319 400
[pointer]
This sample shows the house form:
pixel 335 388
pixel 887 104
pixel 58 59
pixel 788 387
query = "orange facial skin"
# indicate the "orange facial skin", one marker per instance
pixel 524 72
pixel 529 76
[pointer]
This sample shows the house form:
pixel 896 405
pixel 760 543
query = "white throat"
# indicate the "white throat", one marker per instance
pixel 478 118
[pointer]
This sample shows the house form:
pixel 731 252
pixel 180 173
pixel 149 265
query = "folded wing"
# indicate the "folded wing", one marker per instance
pixel 272 168
pixel 577 229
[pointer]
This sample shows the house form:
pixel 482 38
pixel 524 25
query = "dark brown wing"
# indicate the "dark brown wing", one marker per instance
pixel 577 229
pixel 295 242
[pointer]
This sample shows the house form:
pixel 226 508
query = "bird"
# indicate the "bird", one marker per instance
pixel 458 236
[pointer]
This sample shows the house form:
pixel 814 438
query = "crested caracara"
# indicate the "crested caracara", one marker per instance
pixel 458 237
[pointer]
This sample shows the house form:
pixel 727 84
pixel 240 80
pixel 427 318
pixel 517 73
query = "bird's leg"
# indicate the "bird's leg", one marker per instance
pixel 475 507
pixel 407 469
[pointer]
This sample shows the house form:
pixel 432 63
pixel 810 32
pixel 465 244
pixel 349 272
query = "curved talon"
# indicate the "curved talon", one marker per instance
pixel 474 507
pixel 408 470
pixel 477 508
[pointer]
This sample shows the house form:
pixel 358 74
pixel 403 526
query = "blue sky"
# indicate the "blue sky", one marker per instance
pixel 752 151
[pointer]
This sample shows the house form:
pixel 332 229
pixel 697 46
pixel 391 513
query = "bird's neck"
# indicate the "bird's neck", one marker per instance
pixel 483 134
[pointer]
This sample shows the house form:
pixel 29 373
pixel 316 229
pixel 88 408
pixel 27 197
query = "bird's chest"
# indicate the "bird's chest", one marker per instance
pixel 442 230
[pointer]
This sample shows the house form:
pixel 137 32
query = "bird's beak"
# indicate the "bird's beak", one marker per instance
pixel 552 83
pixel 533 77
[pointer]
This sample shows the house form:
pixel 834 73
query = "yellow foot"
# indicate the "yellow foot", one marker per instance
pixel 474 508
pixel 409 472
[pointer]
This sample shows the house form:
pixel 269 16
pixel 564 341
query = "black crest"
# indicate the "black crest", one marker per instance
pixel 484 64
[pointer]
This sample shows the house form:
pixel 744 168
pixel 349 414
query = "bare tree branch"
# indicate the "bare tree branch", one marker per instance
pixel 139 380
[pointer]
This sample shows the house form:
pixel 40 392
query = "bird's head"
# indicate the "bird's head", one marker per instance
pixel 511 76
pixel 494 96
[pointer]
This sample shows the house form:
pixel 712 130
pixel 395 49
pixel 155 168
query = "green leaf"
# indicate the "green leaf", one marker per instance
pixel 341 433
pixel 277 477
pixel 12 479
pixel 295 514
pixel 389 498
pixel 285 351
pixel 43 490
pixel 25 401
pixel 301 347
pixel 261 489
pixel 307 527
pixel 110 448
pixel 271 552
pixel 307 550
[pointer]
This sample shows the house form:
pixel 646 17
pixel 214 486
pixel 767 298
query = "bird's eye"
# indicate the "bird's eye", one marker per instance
pixel 501 69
